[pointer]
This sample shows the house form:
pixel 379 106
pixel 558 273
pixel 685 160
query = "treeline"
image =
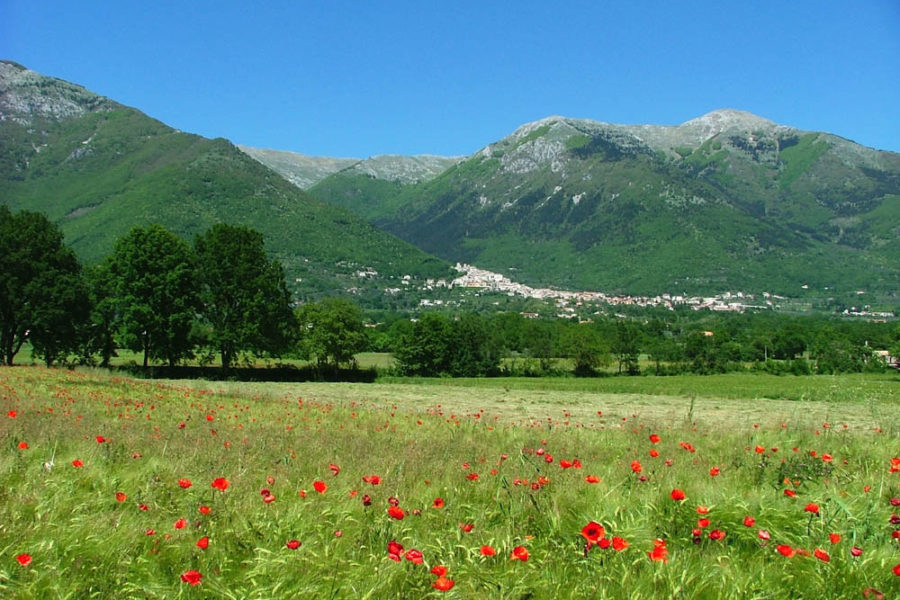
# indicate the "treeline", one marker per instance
pixel 666 343
pixel 155 294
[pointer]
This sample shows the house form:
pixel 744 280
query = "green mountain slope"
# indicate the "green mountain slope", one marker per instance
pixel 98 168
pixel 725 201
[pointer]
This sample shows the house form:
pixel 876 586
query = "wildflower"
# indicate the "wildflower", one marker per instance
pixel 77 463
pixel 716 534
pixel 396 512
pixel 205 510
pixel 856 551
pixel 714 471
pixel 12 414
pixel 414 556
pixel 812 507
pixel 654 438
pixel 191 577
pixel 677 494
pixel 293 544
pixel 763 535
pixel 185 483
pixel 790 493
pixel 519 553
pixel 120 496
pixel 24 559
pixel 180 523
pixel 443 584
pixel 785 550
pixel 220 483
pixel 749 521
pixel 619 544
pixel 593 532
pixel 23 445
pixel 821 555
pixel 636 466
pixel 592 479
pixel 438 503
pixel 439 570
pixel 654 453
pixel 334 469
pixel 659 552
pixel 488 551
pixel 703 523
pixel 466 527
pixel 472 476
pixel 203 543
pixel 100 439
pixel 320 486
pixel 834 538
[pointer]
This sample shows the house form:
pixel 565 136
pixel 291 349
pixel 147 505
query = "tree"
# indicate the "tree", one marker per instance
pixel 155 292
pixel 331 331
pixel 422 349
pixel 625 347
pixel 243 294
pixel 41 292
pixel 104 319
pixel 587 348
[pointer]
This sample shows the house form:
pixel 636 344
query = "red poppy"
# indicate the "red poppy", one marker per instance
pixel 269 498
pixel 120 496
pixel 220 483
pixel 293 544
pixel 636 466
pixel 654 453
pixel 467 527
pixel 519 553
pixel 703 523
pixel 12 414
pixel 897 570
pixel 100 439
pixel 150 532
pixel 488 551
pixel 203 543
pixel 443 584
pixel 716 534
pixel 77 463
pixel 373 479
pixel 786 550
pixel 659 552
pixel 702 510
pixel 856 551
pixel 320 486
pixel 821 555
pixel 472 476
pixel 714 471
pixel 24 559
pixel 619 544
pixel 180 523
pixel 790 493
pixel 439 570
pixel 834 537
pixel 593 532
pixel 23 445
pixel 414 556
pixel 396 512
pixel 192 577
pixel 654 438
pixel 185 483
pixel 334 469
pixel 749 521
pixel 438 503
pixel 812 507
pixel 760 449
pixel 143 507
pixel 205 510
pixel 677 494
pixel 763 535
pixel 565 464
pixel 592 479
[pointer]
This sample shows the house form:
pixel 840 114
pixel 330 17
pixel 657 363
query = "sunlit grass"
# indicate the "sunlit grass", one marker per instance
pixel 425 442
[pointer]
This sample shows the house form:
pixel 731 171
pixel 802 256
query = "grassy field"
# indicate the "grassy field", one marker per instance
pixel 112 487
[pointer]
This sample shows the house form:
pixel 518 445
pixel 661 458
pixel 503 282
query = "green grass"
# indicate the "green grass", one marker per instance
pixel 423 441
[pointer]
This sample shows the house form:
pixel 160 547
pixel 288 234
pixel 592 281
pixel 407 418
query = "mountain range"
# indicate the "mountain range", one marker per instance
pixel 726 201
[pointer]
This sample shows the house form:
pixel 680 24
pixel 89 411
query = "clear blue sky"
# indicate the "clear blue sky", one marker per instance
pixel 341 78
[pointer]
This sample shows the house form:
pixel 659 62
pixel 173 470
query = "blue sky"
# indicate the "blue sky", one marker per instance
pixel 340 78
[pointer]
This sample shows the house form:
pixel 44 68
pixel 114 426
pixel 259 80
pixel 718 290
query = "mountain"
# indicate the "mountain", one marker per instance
pixel 726 201
pixel 98 168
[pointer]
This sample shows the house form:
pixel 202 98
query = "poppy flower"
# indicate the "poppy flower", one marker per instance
pixel 180 523
pixel 654 453
pixel 366 500
pixel 714 471
pixel 604 543
pixel 191 577
pixel 519 553
pixel 619 544
pixel 760 449
pixel 24 559
pixel 12 414
pixel 100 439
pixel 438 503
pixel 373 479
pixel 763 535
pixel 790 493
pixel 184 483
pixel 702 510
pixel 749 521
pixel 203 543
pixel 396 512
pixel 439 570
pixel 565 464
pixel 654 438
pixel 220 483
pixel 856 551
pixel 205 510
pixel 717 534
pixel 636 466
pixel 414 556
pixel 677 494
pixel 293 544
pixel 320 486
pixel 592 479
pixel 467 527
pixel 593 532
pixel 472 476
pixel 812 507
pixel 659 552
pixel 488 551
pixel 897 570
pixel 443 584
pixel 77 463
pixel 23 445
pixel 785 550
pixel 334 469
pixel 120 496
pixel 821 555
pixel 703 523
pixel 150 532
pixel 834 538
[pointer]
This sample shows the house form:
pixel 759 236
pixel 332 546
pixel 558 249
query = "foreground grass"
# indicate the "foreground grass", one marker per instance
pixel 428 441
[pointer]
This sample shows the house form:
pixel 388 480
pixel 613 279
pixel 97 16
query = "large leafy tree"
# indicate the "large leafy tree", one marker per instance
pixel 42 295
pixel 155 289
pixel 331 331
pixel 243 294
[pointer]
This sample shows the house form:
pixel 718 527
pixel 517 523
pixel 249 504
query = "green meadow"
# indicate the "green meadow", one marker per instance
pixel 735 486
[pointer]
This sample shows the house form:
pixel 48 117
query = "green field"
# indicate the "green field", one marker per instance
pixel 519 465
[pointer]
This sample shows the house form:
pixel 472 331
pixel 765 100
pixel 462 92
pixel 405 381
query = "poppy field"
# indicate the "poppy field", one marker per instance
pixel 112 487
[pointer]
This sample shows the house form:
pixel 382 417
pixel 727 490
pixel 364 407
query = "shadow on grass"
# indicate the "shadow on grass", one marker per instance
pixel 282 373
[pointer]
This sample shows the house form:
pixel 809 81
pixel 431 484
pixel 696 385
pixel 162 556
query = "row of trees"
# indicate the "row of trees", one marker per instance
pixel 155 294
